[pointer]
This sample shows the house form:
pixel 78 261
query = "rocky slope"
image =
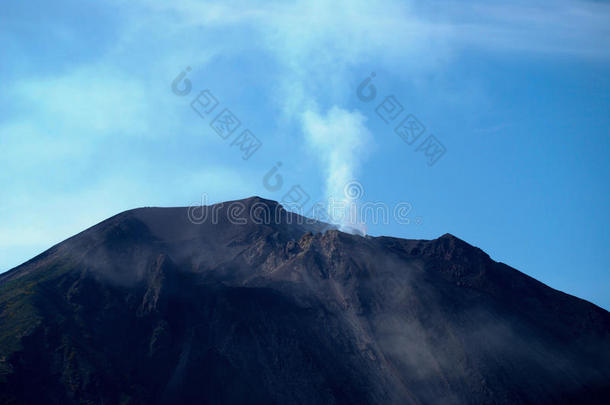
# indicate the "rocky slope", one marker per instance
pixel 148 307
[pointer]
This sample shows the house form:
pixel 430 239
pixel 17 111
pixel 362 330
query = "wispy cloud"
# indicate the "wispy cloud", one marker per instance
pixel 91 100
pixel 574 28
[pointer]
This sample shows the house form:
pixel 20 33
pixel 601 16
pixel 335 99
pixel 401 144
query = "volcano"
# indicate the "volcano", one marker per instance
pixel 259 305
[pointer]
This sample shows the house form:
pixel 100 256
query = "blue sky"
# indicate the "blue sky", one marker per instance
pixel 517 93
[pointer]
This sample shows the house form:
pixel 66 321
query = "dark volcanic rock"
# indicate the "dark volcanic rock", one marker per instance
pixel 148 307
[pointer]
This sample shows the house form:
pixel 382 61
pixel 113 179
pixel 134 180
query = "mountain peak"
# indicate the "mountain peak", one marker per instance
pixel 255 200
pixel 193 303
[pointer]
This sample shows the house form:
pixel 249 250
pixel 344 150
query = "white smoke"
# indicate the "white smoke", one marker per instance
pixel 340 140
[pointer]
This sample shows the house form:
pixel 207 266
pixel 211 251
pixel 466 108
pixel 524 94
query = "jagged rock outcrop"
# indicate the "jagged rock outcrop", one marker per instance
pixel 263 306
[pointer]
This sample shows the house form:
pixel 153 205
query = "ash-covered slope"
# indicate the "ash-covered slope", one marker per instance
pixel 256 305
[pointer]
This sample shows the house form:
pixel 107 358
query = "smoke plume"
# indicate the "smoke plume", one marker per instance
pixel 340 140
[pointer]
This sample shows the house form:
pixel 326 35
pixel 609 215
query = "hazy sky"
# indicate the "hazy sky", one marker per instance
pixel 517 92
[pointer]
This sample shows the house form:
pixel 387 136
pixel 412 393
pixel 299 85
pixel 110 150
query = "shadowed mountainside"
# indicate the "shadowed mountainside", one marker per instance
pixel 150 308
